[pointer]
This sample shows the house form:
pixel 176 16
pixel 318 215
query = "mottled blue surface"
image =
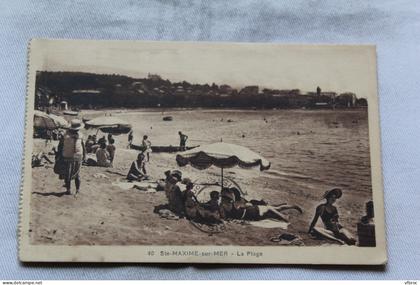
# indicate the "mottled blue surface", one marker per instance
pixel 392 25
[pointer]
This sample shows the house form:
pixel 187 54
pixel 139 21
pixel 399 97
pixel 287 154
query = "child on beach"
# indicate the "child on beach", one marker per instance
pixel 329 216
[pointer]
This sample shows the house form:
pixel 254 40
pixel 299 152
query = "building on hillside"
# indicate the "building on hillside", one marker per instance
pixel 249 90
pixel 346 100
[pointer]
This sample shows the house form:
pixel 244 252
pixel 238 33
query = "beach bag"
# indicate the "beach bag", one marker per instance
pixel 60 168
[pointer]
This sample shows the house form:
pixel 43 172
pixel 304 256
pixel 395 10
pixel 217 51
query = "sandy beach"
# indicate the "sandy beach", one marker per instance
pixel 310 152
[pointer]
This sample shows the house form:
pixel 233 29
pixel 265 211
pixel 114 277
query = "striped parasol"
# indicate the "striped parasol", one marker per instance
pixel 222 155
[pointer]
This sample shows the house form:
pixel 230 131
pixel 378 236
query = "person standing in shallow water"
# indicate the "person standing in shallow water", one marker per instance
pixel 182 140
pixel 73 154
pixel 329 216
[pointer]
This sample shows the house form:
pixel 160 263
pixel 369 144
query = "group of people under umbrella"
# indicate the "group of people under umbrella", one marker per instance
pixel 230 203
pixel 226 203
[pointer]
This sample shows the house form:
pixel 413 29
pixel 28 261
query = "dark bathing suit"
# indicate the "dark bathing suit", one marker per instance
pixel 330 220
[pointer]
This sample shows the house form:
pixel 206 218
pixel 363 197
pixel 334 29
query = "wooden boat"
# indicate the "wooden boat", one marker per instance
pixel 71 113
pixel 168 148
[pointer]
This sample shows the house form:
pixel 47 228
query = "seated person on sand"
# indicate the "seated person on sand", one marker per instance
pixel 209 212
pixel 37 159
pixel 173 192
pixel 190 202
pixel 102 156
pixel 137 170
pixel 89 143
pixel 95 144
pixel 102 140
pixel 242 210
pixel 329 216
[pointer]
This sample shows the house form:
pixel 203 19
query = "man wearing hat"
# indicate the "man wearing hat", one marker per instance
pixel 73 154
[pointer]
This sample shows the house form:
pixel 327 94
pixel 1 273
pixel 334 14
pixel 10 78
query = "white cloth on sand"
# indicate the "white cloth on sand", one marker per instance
pixel 145 186
pixel 270 224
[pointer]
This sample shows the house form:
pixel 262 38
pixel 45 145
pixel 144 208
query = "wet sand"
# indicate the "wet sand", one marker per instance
pixel 310 151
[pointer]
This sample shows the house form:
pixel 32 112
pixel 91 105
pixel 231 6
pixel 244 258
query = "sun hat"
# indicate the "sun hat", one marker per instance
pixel 177 174
pixel 335 191
pixel 75 125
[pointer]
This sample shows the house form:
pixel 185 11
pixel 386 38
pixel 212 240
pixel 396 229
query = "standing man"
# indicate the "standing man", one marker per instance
pixel 147 147
pixel 73 154
pixel 182 140
pixel 130 138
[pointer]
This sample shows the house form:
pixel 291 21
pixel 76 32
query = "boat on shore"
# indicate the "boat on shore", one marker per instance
pixel 167 148
pixel 70 113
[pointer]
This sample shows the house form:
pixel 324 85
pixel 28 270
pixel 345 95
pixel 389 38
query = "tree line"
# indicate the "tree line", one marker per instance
pixel 88 90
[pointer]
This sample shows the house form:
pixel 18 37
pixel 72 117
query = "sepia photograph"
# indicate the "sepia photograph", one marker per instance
pixel 199 152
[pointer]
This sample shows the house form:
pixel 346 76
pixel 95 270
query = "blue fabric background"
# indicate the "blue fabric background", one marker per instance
pixel 393 25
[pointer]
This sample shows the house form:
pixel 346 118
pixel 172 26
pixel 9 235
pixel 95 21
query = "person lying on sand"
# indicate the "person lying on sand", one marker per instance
pixel 329 216
pixel 37 159
pixel 240 199
pixel 137 170
pixel 231 209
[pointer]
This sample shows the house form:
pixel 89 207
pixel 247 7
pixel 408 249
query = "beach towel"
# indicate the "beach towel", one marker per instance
pixel 270 224
pixel 144 186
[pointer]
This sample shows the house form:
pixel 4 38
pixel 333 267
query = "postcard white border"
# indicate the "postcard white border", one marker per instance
pixel 142 254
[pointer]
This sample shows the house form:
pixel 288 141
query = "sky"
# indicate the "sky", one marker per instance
pixel 333 68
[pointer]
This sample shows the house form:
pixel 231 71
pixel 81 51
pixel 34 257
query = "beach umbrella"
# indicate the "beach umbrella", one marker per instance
pixel 222 155
pixel 109 124
pixel 44 121
pixel 60 121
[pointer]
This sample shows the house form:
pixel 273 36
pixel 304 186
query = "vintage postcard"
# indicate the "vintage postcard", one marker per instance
pixel 188 152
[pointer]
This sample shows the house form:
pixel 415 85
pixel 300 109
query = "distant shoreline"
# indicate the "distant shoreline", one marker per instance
pixel 179 109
